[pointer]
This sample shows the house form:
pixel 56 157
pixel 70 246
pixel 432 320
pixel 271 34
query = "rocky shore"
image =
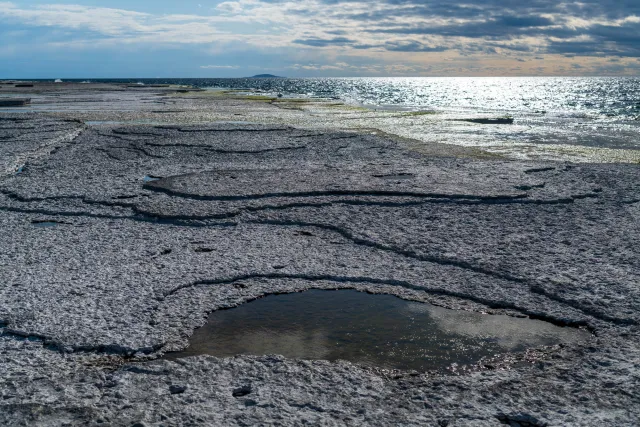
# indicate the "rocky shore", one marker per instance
pixel 124 224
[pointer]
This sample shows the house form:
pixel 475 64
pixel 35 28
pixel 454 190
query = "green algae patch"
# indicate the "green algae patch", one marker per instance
pixel 419 113
pixel 230 94
pixel 295 100
pixel 348 107
pixel 258 98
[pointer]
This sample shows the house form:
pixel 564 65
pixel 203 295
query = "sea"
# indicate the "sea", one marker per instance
pixel 596 112
pixel 584 97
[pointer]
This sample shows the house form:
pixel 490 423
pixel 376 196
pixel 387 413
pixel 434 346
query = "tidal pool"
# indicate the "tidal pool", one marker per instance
pixel 374 330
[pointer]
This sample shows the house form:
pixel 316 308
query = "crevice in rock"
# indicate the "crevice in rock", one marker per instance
pixel 222 151
pixel 536 170
pixel 176 219
pixel 52 344
pixel 62 213
pixel 157 187
pixel 533 287
pixel 389 282
pixel 530 187
pixel 19 198
pixel 315 135
pixel 121 131
pixel 187 222
pixel 520 420
pixel 140 150
pixel 335 138
pixel 308 406
pixel 15 119
pixel 108 153
pixel 186 130
pixel 143 371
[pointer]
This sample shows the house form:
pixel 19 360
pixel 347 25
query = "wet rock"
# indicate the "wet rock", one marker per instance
pixel 490 121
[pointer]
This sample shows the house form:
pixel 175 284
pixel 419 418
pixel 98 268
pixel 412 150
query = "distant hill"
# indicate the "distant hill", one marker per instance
pixel 266 76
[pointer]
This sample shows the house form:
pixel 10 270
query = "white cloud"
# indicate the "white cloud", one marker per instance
pixel 231 7
pixel 317 32
pixel 228 67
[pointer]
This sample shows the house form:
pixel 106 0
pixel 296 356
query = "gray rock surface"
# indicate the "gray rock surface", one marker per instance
pixel 129 268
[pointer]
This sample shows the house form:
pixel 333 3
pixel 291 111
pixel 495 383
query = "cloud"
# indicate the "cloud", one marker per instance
pixel 226 67
pixel 317 42
pixel 376 24
pixel 231 7
pixel 380 30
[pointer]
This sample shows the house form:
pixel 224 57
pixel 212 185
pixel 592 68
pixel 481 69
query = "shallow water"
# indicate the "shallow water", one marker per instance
pixel 375 330
pixel 569 96
pixel 549 112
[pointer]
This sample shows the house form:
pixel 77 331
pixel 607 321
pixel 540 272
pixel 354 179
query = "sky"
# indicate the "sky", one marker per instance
pixel 316 38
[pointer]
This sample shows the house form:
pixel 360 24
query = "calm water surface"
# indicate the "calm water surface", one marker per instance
pixel 376 330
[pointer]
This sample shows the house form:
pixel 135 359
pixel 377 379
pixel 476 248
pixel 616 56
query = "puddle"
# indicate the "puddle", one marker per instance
pixel 150 178
pixel 374 330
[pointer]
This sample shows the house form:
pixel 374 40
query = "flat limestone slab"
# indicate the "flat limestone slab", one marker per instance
pixel 126 269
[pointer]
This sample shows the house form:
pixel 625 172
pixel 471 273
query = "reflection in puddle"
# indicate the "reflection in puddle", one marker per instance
pixel 150 178
pixel 376 330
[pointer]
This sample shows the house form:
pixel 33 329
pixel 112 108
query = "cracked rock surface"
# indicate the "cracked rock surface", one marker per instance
pixel 150 228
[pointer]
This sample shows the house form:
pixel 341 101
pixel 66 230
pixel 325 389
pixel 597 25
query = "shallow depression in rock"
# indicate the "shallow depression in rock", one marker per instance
pixel 374 330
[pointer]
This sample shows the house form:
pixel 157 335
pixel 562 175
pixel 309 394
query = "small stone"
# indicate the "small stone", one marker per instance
pixel 242 391
pixel 177 389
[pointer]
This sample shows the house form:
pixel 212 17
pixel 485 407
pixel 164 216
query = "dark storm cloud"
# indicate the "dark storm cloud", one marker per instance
pixel 316 42
pixel 571 28
pixel 411 46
